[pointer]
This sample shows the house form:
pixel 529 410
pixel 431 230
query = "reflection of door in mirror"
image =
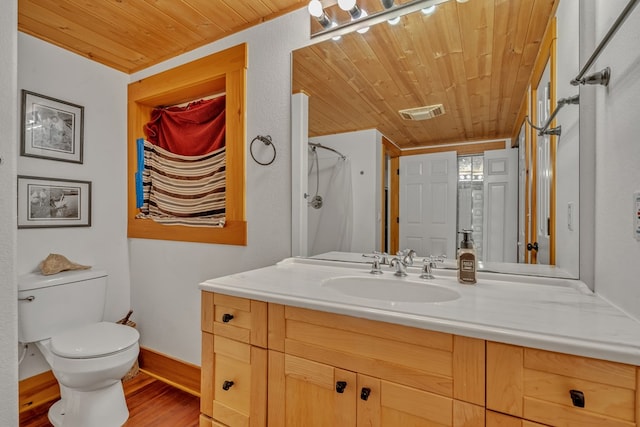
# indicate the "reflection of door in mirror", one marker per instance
pixel 428 203
pixel 442 193
pixel 544 171
pixel 540 188
pixel 523 203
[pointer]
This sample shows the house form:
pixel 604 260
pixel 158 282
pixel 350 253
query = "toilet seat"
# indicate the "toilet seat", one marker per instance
pixel 94 340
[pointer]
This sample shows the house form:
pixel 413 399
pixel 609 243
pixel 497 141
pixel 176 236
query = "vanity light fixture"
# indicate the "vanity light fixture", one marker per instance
pixel 360 20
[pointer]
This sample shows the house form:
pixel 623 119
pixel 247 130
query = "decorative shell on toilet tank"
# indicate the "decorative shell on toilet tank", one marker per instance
pixel 49 305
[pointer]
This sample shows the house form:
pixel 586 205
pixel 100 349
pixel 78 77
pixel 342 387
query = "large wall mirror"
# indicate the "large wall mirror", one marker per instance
pixel 445 94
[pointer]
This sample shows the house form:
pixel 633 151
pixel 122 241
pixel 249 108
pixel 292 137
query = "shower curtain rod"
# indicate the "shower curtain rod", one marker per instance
pixel 316 145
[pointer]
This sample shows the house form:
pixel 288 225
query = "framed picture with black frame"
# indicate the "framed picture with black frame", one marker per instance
pixel 53 202
pixel 51 128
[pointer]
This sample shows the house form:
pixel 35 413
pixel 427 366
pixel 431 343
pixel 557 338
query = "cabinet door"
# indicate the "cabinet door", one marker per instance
pixel 387 404
pixel 310 394
pixel 234 376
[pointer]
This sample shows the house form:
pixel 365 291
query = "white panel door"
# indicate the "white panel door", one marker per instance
pixel 544 172
pixel 522 194
pixel 428 184
pixel 500 241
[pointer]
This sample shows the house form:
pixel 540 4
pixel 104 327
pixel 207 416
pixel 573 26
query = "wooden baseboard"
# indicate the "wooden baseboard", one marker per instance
pixel 177 373
pixel 37 390
pixel 43 388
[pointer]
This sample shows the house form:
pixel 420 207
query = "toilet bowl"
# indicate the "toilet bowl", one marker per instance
pixel 88 363
pixel 63 315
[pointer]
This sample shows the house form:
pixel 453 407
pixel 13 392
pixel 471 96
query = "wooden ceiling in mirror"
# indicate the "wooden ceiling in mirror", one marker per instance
pixel 474 58
pixel 132 35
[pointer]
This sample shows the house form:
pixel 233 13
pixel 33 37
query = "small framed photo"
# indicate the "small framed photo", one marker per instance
pixel 53 202
pixel 51 128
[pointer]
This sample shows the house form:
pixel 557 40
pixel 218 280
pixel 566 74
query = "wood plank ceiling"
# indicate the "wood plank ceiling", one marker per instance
pixel 130 35
pixel 474 58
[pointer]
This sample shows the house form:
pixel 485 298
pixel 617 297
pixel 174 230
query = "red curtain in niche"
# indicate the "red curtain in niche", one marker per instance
pixel 194 130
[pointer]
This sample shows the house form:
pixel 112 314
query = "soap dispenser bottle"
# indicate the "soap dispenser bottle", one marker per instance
pixel 467 260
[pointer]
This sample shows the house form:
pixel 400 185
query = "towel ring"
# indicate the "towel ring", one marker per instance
pixel 266 140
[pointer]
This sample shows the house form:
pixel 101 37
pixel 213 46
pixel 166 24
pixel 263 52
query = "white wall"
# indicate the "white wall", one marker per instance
pixel 49 70
pixel 568 153
pixel 363 148
pixel 617 155
pixel 165 275
pixel 8 232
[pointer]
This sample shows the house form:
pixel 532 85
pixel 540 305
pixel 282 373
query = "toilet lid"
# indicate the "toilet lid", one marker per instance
pixel 94 340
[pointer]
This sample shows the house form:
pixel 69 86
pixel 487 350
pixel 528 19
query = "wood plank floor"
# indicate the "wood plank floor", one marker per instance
pixel 151 403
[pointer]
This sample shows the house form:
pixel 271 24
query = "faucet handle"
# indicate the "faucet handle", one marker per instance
pixel 426 269
pixel 429 263
pixel 375 266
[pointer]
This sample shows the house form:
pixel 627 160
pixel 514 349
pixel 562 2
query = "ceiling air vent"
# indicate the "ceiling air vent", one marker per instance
pixel 422 113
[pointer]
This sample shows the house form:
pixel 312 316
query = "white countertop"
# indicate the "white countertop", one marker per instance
pixel 552 314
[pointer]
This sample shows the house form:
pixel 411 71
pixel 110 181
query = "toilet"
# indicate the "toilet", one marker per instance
pixel 62 315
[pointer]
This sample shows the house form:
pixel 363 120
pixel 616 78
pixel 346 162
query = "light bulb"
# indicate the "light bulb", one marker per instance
pixel 346 4
pixel 315 8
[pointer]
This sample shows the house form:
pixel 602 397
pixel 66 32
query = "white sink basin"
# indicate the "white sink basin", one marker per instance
pixel 390 289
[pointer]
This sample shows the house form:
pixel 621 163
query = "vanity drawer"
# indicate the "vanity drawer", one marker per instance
pixel 234 376
pixel 436 362
pixel 240 319
pixel 560 389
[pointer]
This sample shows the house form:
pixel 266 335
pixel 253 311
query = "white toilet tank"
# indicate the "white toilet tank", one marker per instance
pixel 49 305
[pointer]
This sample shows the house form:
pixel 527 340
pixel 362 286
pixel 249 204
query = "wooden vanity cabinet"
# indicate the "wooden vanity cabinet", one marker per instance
pixel 325 369
pixel 370 373
pixel 234 361
pixel 558 389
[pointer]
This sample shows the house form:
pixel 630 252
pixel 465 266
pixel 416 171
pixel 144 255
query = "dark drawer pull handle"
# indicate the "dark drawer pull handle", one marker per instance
pixel 226 318
pixel 340 386
pixel 227 385
pixel 577 397
pixel 364 393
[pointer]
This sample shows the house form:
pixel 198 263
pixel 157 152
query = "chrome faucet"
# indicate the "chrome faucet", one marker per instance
pixel 401 261
pixel 401 267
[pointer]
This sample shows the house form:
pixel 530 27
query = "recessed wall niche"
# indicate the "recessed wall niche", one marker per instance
pixel 222 72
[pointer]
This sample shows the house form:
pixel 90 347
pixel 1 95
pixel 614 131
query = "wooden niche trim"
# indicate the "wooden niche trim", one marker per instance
pixel 222 72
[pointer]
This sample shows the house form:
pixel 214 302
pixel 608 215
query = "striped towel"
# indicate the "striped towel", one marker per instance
pixel 183 190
